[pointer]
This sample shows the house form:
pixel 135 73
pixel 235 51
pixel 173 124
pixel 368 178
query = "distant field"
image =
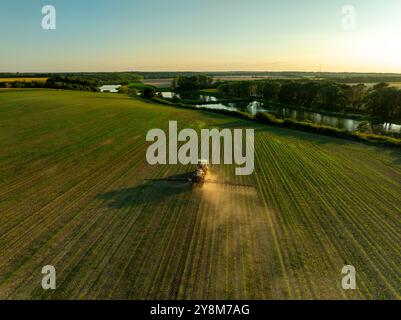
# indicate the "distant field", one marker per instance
pixel 22 79
pixel 159 83
pixel 395 84
pixel 73 194
pixel 166 83
pixel 241 78
pixel 139 85
pixel 371 85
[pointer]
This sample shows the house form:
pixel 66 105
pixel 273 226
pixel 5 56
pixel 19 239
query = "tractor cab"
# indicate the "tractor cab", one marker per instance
pixel 199 176
pixel 203 165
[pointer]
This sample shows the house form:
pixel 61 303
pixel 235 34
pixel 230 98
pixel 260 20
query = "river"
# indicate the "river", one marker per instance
pixel 109 88
pixel 279 112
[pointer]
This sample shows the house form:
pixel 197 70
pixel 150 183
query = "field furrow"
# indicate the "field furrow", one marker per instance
pixel 75 193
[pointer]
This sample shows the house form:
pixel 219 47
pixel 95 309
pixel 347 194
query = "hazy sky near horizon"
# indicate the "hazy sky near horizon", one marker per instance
pixel 200 35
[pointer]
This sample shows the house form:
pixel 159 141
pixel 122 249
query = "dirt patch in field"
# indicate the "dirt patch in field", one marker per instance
pixel 233 207
pixel 228 199
pixel 241 244
pixel 106 142
pixel 160 83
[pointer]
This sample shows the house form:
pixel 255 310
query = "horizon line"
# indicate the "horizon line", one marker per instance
pixel 209 71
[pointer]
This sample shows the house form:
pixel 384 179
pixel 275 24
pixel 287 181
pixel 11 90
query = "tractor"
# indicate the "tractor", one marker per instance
pixel 199 175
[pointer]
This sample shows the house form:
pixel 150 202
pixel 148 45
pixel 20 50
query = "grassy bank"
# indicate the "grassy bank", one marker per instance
pixel 271 120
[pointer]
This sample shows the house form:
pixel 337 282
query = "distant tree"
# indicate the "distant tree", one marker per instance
pixel 384 103
pixel 149 93
pixel 175 99
pixel 307 93
pixel 133 92
pixel 288 93
pixel 123 90
pixel 192 82
pixel 330 97
pixel 365 127
pixel 381 102
pixel 380 85
pixel 72 83
pixel 355 96
pixel 174 83
pixel 128 90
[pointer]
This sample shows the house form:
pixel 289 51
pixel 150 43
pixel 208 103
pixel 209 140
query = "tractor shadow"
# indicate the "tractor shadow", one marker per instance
pixel 149 192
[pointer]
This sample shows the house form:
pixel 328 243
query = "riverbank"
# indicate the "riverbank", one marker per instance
pixel 269 119
pixel 221 98
pixel 352 116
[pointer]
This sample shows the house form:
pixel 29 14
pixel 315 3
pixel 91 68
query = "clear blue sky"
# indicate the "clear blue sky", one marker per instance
pixel 106 35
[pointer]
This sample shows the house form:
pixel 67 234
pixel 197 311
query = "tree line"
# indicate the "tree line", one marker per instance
pixel 194 82
pixel 57 82
pixel 104 77
pixel 382 102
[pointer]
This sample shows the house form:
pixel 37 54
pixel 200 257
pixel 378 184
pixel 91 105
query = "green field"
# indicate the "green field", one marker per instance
pixel 139 85
pixel 22 79
pixel 73 195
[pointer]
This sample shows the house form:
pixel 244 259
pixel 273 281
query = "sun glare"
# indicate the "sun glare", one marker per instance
pixel 381 49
